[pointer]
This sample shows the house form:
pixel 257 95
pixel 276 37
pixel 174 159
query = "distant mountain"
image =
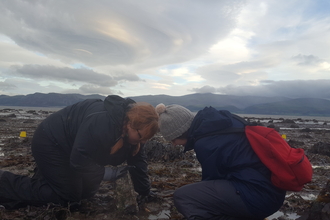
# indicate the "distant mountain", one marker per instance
pixel 45 100
pixel 198 101
pixel 194 102
pixel 301 106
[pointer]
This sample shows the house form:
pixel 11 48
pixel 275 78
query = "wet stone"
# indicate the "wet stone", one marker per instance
pixel 167 173
pixel 321 148
pixel 157 150
pixel 125 195
pixel 306 130
pixel 289 121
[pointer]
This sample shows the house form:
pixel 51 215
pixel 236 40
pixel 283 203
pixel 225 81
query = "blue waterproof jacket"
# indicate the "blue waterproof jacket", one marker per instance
pixel 230 157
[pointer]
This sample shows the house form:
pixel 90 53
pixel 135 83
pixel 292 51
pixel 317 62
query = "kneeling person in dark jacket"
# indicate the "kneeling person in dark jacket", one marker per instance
pixel 235 184
pixel 72 147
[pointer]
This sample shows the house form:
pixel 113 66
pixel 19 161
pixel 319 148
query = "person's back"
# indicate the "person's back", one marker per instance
pixel 72 146
pixel 63 125
pixel 235 184
pixel 230 157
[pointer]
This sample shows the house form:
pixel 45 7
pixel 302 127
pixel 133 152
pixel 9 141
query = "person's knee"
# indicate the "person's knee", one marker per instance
pixel 178 195
pixel 181 200
pixel 47 194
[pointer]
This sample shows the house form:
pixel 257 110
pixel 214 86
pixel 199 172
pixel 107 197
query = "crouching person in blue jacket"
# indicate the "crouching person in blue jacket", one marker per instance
pixel 73 146
pixel 235 184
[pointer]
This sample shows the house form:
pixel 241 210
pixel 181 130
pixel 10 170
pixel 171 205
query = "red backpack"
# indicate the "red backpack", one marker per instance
pixel 290 167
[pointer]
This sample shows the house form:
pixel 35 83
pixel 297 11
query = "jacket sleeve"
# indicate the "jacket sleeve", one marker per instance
pixel 139 174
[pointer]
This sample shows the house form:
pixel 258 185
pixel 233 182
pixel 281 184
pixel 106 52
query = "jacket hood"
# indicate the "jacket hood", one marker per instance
pixel 117 107
pixel 207 121
pixel 114 103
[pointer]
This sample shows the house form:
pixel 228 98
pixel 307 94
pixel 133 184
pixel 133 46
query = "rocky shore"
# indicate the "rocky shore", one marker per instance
pixel 169 169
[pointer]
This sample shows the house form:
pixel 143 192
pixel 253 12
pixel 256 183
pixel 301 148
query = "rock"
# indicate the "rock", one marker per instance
pixel 295 144
pixel 185 163
pixel 125 195
pixel 305 136
pixel 306 130
pixel 321 148
pixel 283 218
pixel 326 212
pixel 157 149
pixel 28 121
pixel 289 121
pixel 320 208
pixel 324 195
pixel 275 127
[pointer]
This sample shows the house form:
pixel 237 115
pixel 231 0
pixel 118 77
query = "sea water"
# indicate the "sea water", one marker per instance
pixel 27 108
pixel 305 117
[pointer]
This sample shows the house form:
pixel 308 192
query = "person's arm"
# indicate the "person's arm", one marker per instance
pixel 139 172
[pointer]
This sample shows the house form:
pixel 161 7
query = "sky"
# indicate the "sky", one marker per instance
pixel 151 47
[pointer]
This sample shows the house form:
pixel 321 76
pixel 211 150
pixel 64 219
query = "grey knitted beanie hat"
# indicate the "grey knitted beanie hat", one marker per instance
pixel 174 120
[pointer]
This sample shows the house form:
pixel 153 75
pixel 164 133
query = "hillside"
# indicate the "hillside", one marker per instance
pixel 198 101
pixel 301 106
pixel 45 100
pixel 194 102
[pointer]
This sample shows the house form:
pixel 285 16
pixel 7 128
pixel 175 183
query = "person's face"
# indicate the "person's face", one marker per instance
pixel 179 141
pixel 135 136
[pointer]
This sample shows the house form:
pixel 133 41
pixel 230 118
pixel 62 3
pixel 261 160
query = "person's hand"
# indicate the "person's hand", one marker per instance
pixel 141 199
pixel 114 173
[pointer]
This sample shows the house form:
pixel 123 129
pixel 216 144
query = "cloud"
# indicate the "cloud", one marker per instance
pixel 306 60
pixel 26 86
pixel 4 86
pixel 118 32
pixel 165 47
pixel 293 89
pixel 64 74
pixel 241 72
pixel 92 89
pixel 204 89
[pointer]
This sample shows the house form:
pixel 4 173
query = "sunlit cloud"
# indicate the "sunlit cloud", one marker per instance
pixel 165 47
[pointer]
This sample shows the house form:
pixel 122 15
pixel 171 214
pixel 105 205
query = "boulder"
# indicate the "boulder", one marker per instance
pixel 321 148
pixel 320 208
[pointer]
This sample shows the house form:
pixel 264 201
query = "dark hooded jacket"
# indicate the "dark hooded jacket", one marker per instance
pixel 85 133
pixel 230 157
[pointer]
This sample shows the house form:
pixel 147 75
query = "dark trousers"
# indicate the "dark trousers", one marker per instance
pixel 214 199
pixel 55 182
pixel 17 191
